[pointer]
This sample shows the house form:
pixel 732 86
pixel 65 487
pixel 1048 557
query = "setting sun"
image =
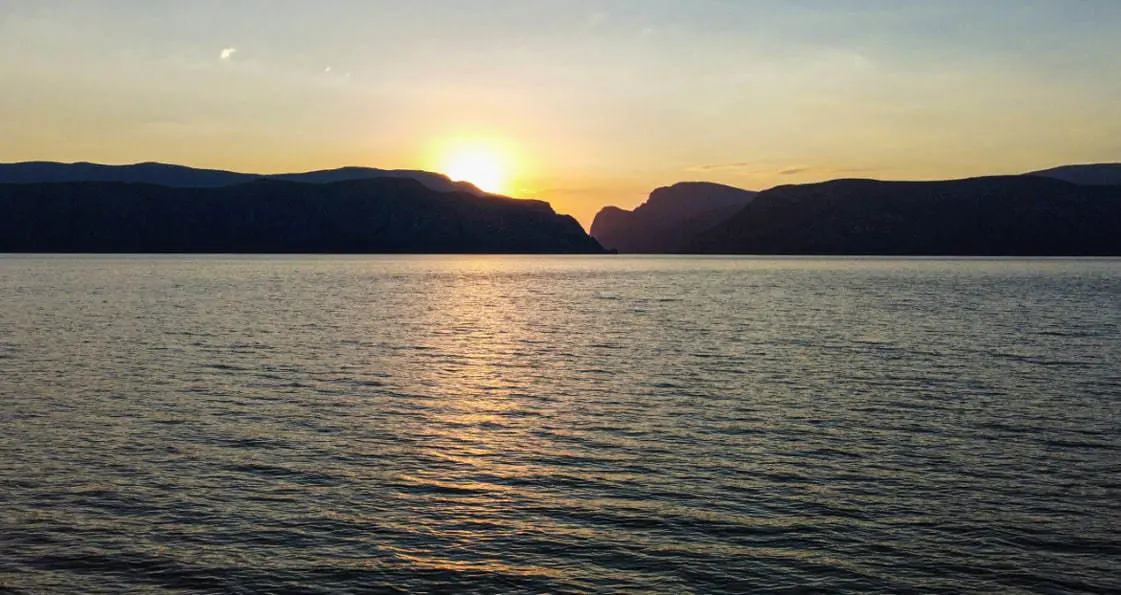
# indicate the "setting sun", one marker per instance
pixel 478 163
pixel 479 169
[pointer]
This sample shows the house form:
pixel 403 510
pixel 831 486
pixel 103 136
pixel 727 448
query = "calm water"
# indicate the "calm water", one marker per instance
pixel 559 424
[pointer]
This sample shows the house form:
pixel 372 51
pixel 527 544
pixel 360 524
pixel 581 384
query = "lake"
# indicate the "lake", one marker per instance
pixel 432 424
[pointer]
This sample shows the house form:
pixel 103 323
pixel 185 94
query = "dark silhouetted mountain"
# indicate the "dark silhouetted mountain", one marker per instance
pixel 670 218
pixel 178 176
pixel 1099 174
pixel 434 181
pixel 34 172
pixel 268 216
pixel 1008 215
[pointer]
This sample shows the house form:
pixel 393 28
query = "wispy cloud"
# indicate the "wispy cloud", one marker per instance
pixel 829 171
pixel 748 168
pixel 740 166
pixel 227 54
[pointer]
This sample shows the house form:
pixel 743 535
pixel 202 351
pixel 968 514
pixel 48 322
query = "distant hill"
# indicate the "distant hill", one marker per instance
pixel 670 218
pixel 1008 215
pixel 381 214
pixel 178 176
pixel 1099 174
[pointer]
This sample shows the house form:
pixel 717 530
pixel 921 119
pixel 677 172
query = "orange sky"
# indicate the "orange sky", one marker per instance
pixel 586 103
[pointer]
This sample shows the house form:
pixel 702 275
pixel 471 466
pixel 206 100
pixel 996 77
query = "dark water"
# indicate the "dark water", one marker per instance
pixel 562 425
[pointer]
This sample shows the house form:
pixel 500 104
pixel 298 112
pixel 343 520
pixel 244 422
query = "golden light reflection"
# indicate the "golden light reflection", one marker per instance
pixel 476 409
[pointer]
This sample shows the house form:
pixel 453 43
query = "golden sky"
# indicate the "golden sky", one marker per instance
pixel 580 103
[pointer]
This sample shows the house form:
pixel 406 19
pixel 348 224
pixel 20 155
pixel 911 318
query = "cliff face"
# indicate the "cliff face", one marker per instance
pixel 670 218
pixel 1012 215
pixel 358 216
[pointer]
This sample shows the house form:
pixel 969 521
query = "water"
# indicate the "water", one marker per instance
pixel 559 424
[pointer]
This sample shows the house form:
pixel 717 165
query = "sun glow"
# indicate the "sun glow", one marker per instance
pixel 479 164
pixel 480 170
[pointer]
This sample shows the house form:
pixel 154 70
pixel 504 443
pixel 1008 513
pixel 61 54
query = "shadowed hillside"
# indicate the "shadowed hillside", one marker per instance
pixel 670 218
pixel 358 216
pixel 1098 174
pixel 1013 215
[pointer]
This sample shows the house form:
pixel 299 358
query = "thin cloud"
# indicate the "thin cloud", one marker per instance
pixel 846 170
pixel 747 168
pixel 721 166
pixel 227 54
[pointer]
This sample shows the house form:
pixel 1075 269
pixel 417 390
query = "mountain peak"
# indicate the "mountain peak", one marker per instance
pixel 669 217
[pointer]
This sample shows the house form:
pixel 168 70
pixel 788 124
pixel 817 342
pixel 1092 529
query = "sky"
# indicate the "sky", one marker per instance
pixel 580 103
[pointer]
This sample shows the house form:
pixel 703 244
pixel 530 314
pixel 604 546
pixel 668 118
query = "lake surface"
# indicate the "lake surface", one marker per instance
pixel 559 424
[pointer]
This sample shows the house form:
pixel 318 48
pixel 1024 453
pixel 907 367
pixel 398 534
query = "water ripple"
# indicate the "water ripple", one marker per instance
pixel 561 425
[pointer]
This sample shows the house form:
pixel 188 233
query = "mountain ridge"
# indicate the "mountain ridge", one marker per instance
pixel 1089 174
pixel 374 215
pixel 988 216
pixel 633 231
pixel 182 176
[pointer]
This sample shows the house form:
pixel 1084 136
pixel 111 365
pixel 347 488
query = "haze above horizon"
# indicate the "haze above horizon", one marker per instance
pixel 576 102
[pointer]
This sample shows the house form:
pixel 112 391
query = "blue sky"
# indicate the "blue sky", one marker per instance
pixel 589 103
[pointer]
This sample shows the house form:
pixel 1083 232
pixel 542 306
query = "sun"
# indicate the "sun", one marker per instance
pixel 479 164
pixel 481 170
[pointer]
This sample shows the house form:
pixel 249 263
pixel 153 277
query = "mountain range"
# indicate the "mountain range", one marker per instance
pixel 178 176
pixel 1070 210
pixel 153 207
pixel 997 216
pixel 48 207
